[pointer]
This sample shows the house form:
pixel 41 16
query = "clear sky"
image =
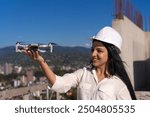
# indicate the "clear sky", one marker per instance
pixel 65 22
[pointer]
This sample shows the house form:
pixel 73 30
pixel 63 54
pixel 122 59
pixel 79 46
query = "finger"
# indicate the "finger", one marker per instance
pixel 24 50
pixel 36 54
pixel 29 53
pixel 33 54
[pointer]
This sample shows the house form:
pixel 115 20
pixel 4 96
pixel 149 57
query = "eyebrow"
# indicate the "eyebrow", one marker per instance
pixel 98 47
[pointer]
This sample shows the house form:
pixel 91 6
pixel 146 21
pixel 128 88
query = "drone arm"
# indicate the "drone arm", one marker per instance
pixel 17 44
pixel 50 47
pixel 19 47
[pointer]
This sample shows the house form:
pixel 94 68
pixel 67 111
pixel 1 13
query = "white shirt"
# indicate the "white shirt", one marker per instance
pixel 88 87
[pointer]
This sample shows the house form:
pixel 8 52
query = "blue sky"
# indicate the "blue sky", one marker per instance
pixel 65 22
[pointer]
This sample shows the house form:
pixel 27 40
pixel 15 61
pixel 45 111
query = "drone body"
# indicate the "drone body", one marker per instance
pixel 20 46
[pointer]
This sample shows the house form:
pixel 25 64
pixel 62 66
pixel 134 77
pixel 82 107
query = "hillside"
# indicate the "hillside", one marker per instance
pixel 62 56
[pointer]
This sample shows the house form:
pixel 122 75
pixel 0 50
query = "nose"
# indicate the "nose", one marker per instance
pixel 94 53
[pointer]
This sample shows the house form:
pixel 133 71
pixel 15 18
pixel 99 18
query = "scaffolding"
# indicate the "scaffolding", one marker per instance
pixel 125 7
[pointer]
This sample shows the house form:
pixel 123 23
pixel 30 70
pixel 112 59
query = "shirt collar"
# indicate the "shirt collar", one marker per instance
pixel 95 75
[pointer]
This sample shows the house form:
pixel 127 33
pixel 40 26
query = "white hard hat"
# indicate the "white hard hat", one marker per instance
pixel 109 35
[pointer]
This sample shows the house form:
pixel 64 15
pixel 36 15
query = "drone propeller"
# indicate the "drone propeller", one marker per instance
pixel 20 42
pixel 54 44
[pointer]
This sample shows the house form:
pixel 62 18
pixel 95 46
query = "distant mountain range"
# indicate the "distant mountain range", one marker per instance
pixel 7 50
pixel 61 56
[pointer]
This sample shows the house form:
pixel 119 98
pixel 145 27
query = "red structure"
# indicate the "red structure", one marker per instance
pixel 125 7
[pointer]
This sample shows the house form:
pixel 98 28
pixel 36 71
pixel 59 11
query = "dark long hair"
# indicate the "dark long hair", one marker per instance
pixel 116 67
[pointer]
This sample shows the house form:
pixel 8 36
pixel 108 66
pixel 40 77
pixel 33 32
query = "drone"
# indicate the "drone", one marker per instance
pixel 20 46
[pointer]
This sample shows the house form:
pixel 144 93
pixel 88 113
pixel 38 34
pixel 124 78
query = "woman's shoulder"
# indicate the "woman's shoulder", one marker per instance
pixel 119 83
pixel 85 68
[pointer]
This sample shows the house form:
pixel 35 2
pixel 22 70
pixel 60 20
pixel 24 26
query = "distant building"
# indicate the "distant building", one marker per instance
pixel 1 69
pixel 8 68
pixel 29 74
pixel 17 69
pixel 23 80
pixel 16 83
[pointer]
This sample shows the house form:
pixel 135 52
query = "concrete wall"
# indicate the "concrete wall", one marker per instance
pixel 135 50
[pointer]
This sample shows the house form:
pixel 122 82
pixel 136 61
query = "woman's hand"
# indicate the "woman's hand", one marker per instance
pixel 34 55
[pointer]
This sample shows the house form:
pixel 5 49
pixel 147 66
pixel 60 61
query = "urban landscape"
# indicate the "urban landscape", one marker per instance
pixel 27 81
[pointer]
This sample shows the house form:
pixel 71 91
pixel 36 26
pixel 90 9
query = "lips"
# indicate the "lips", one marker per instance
pixel 95 60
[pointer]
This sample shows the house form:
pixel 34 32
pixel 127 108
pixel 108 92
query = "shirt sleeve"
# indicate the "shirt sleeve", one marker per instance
pixel 66 82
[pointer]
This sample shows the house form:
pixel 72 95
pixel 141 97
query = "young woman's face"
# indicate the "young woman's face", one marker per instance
pixel 99 54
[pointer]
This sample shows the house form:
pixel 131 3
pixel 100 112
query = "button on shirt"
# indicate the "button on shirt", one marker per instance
pixel 88 87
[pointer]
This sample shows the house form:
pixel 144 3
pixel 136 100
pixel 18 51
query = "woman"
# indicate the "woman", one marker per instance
pixel 106 77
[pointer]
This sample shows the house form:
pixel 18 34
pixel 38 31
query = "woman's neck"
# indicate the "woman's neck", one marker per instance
pixel 100 73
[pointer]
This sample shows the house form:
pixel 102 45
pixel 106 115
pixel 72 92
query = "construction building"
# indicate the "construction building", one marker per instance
pixel 136 44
